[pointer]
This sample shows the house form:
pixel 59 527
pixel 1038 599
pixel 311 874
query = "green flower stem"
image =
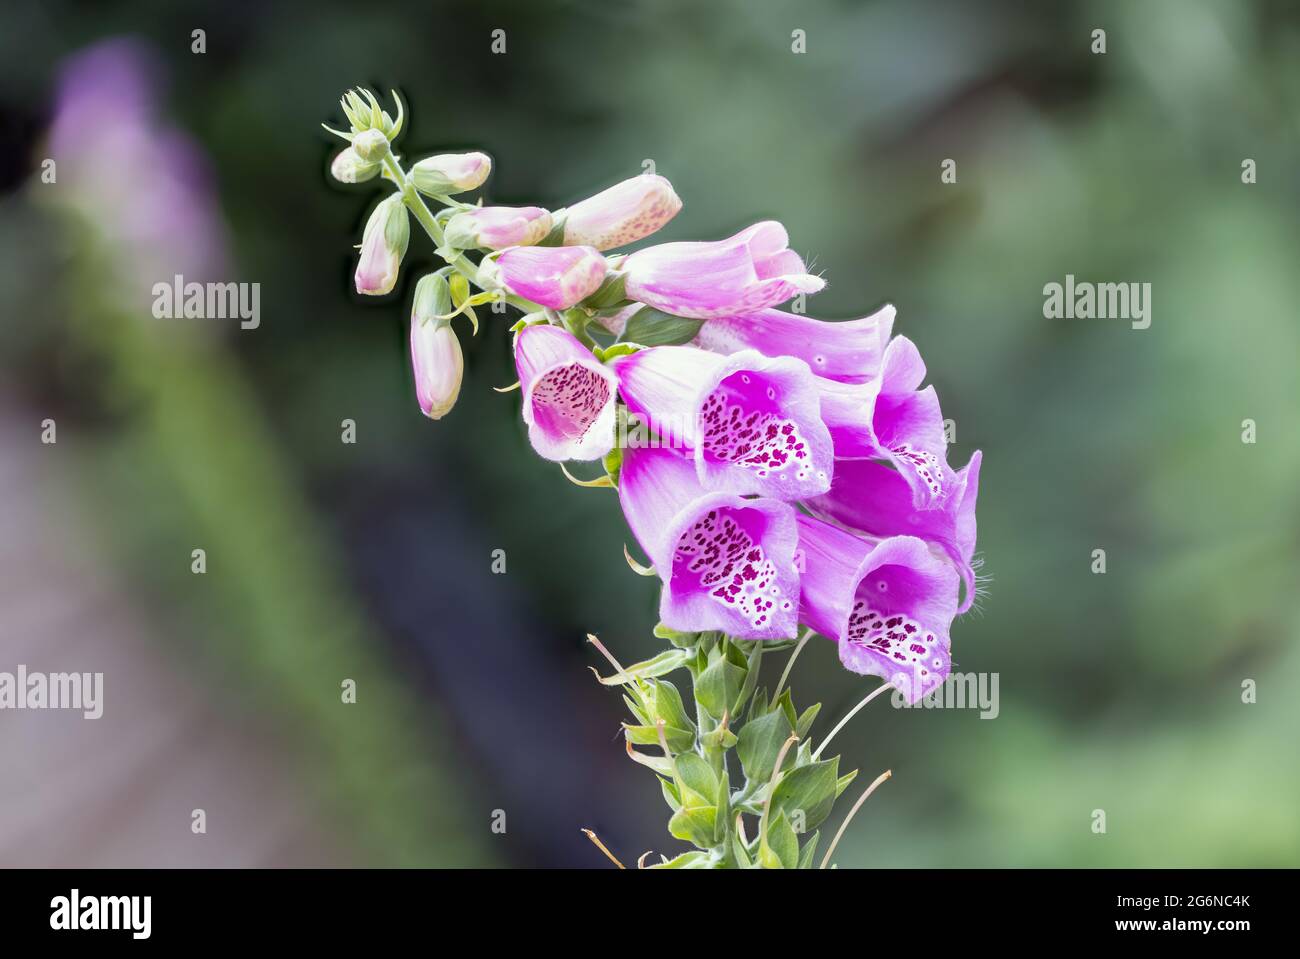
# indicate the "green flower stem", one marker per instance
pixel 420 210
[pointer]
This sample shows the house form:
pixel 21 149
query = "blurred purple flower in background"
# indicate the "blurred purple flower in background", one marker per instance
pixel 143 184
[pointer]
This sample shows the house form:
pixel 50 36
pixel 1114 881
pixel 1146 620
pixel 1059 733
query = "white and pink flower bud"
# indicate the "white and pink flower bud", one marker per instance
pixel 451 173
pixel 623 214
pixel 436 358
pixel 497 227
pixel 348 167
pixel 382 247
pixel 552 276
pixel 371 145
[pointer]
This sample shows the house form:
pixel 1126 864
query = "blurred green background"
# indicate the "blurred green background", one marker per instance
pixel 1120 692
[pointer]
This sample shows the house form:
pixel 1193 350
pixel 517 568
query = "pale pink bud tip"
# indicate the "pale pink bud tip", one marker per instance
pixel 382 247
pixel 451 173
pixel 623 214
pixel 438 366
pixel 497 227
pixel 553 276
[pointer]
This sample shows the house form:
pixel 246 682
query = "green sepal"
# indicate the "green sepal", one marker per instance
pixel 676 737
pixel 679 639
pixel 671 795
pixel 806 720
pixel 660 665
pixel 718 686
pixel 811 788
pixel 609 293
pixel 843 782
pixel 695 775
pixel 613 463
pixel 695 859
pixel 556 236
pixel 751 679
pixel 605 353
pixel 739 851
pixel 779 849
pixel 637 710
pixel 759 742
pixel 667 705
pixel 809 851
pixel 721 738
pixel 695 824
pixel 787 706
pixel 651 327
pixel 659 764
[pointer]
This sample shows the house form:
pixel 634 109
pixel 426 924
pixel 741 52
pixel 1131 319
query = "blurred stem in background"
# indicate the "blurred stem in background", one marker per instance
pixel 196 446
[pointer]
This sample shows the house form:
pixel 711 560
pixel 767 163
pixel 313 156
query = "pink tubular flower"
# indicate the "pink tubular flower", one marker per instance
pixel 889 418
pixel 876 499
pixel 568 395
pixel 497 227
pixel 752 270
pixel 727 562
pixel 623 214
pixel 888 604
pixel 908 425
pixel 850 351
pixel 554 276
pixel 752 423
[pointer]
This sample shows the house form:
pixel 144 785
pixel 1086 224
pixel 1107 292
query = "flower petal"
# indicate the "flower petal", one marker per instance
pixel 753 423
pixel 888 604
pixel 850 351
pixel 750 271
pixel 727 563
pixel 876 499
pixel 569 397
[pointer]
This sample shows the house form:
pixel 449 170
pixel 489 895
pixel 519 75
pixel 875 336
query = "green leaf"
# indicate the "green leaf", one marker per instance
pixel 635 709
pixel 723 817
pixel 759 743
pixel 843 782
pixel 668 706
pixel 787 705
pixel 690 860
pixel 810 788
pixel 660 665
pixel 719 686
pixel 610 292
pixel 781 849
pixel 679 639
pixel 809 851
pixel 651 327
pixel 671 796
pixel 738 850
pixel 658 763
pixel 806 720
pixel 751 679
pixel 719 738
pixel 695 773
pixel 677 739
pixel 695 824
